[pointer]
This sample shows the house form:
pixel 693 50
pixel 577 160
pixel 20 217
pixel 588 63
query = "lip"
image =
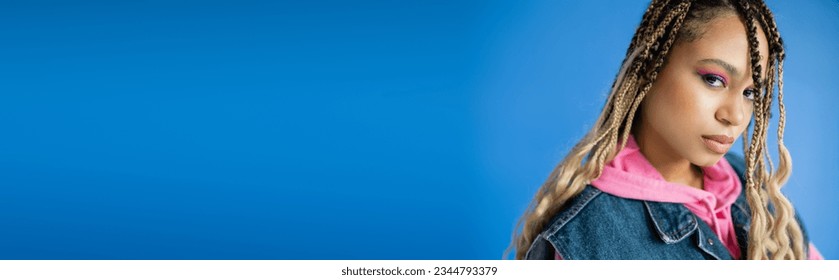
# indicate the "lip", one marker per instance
pixel 718 143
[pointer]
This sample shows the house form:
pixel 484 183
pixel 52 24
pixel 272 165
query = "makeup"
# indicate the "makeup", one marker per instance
pixel 721 75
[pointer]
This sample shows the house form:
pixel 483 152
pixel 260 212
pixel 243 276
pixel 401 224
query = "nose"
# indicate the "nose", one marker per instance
pixel 733 110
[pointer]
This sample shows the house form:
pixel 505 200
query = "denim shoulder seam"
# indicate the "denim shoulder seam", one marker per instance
pixel 529 250
pixel 587 195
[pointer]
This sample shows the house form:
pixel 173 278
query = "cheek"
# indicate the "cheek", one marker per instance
pixel 679 104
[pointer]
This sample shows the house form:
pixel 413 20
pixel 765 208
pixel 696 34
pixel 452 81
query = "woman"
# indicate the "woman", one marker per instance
pixel 652 179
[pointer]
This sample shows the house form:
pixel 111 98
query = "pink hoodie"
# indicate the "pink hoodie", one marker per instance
pixel 630 175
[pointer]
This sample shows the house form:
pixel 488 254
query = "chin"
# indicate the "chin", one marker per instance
pixel 707 160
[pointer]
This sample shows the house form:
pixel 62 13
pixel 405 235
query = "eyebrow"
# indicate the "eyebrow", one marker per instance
pixel 728 67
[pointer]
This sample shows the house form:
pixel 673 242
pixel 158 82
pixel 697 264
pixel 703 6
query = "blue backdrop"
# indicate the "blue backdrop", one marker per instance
pixel 329 129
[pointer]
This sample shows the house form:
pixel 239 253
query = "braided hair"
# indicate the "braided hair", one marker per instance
pixel 774 232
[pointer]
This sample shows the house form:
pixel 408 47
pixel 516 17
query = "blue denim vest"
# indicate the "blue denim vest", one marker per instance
pixel 597 225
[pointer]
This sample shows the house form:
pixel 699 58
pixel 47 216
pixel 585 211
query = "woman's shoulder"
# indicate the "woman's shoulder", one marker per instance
pixel 590 206
pixel 576 218
pixel 738 163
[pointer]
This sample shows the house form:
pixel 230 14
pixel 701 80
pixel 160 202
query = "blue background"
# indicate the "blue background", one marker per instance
pixel 330 129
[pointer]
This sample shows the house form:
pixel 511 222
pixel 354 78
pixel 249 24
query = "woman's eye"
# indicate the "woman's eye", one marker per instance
pixel 713 80
pixel 750 94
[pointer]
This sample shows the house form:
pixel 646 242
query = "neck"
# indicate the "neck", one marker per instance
pixel 673 168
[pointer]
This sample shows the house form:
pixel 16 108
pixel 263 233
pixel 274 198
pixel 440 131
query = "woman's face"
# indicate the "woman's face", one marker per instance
pixel 704 90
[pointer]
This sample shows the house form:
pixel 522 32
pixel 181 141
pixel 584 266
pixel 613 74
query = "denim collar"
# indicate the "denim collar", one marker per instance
pixel 673 222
